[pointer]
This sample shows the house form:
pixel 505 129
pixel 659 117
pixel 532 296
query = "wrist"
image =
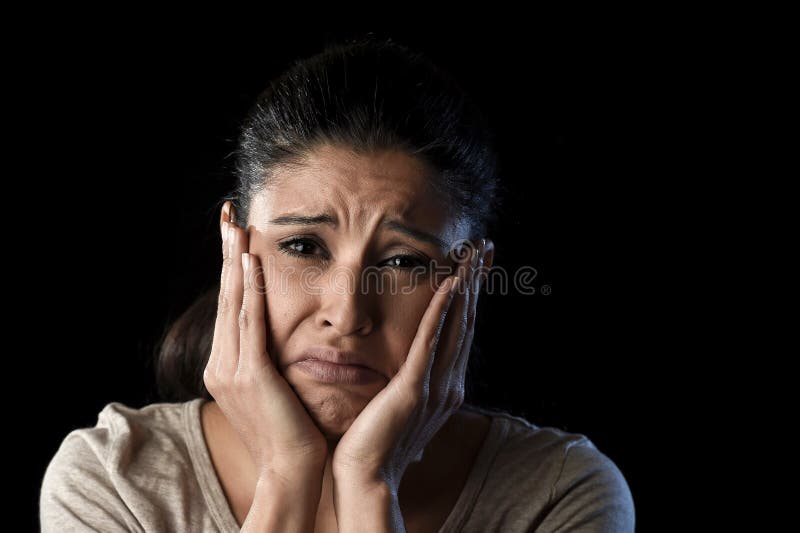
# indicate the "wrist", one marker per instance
pixel 367 505
pixel 292 478
pixel 362 479
pixel 365 487
pixel 284 503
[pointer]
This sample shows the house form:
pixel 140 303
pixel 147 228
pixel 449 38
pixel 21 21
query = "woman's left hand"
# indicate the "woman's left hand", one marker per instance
pixel 396 425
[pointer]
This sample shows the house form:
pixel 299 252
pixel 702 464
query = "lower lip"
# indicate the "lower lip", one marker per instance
pixel 333 373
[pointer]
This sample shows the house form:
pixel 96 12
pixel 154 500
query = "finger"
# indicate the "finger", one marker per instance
pixel 460 366
pixel 462 253
pixel 227 214
pixel 229 361
pixel 416 369
pixel 455 327
pixel 219 339
pixel 252 323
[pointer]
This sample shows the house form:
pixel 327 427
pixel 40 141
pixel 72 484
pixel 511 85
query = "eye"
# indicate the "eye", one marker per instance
pixel 304 247
pixel 405 262
pixel 298 247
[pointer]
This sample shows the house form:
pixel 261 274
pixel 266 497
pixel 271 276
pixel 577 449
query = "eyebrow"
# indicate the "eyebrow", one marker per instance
pixel 392 225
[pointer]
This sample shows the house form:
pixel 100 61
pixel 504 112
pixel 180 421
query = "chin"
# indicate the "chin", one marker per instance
pixel 333 408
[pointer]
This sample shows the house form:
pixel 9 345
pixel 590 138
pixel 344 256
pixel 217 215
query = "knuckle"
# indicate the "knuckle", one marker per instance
pixel 433 339
pixel 223 304
pixel 430 343
pixel 471 321
pixel 210 379
pixel 456 398
pixel 463 326
pixel 244 319
pixel 244 380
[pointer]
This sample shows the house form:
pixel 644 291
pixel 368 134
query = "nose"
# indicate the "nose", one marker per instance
pixel 344 305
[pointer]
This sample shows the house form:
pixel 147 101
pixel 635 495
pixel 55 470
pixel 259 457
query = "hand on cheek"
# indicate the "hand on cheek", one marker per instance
pixel 394 428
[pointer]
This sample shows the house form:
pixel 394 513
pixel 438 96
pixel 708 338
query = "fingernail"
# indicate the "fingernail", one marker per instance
pixel 448 284
pixel 245 261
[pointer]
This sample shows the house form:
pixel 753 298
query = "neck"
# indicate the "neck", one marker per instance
pixel 438 477
pixel 439 456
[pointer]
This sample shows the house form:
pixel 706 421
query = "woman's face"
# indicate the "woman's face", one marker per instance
pixel 317 294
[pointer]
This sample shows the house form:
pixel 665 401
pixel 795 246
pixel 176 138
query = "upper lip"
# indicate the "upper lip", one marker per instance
pixel 336 356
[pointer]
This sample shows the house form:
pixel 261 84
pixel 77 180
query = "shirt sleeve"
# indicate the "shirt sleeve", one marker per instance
pixel 77 493
pixel 590 495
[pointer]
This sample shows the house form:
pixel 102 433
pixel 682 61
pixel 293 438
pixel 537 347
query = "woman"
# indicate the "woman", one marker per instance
pixel 328 393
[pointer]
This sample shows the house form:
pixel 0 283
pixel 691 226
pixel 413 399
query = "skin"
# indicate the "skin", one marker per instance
pixel 359 457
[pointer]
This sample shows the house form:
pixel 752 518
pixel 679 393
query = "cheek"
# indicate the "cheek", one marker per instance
pixel 286 301
pixel 403 313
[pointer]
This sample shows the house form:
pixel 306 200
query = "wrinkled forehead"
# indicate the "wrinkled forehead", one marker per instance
pixel 358 189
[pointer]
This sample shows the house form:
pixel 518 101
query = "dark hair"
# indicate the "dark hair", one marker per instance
pixel 366 95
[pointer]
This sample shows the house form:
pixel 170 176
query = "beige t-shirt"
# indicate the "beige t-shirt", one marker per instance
pixel 149 469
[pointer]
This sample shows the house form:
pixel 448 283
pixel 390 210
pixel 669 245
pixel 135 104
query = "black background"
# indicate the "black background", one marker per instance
pixel 128 133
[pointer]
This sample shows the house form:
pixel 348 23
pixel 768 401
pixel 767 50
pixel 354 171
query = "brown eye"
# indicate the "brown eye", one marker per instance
pixel 298 247
pixel 405 262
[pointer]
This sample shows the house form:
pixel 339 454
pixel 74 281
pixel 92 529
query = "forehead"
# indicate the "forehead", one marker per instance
pixel 357 188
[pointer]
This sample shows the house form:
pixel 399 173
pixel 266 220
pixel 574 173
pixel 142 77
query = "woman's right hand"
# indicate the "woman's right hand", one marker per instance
pixel 254 397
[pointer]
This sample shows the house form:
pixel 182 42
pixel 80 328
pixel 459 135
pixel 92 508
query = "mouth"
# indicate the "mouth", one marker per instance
pixel 338 373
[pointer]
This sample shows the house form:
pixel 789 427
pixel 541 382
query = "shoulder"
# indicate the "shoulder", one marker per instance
pixel 102 475
pixel 520 441
pixel 555 479
pixel 123 434
pixel 589 492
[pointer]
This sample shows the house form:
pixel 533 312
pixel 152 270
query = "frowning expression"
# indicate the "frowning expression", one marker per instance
pixel 316 230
